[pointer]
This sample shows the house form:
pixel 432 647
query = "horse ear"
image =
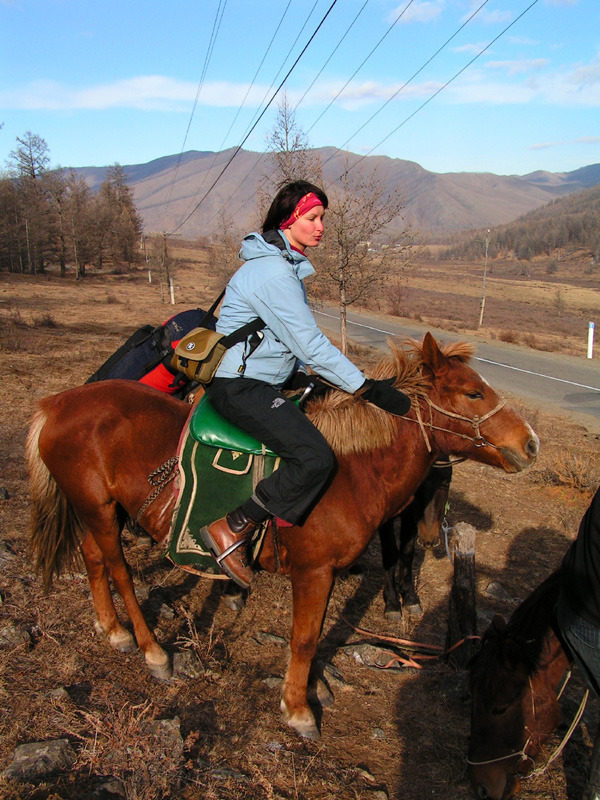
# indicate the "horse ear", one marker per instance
pixel 511 655
pixel 432 355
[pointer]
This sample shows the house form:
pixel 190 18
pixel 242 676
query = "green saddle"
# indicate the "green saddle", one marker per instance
pixel 211 428
pixel 219 467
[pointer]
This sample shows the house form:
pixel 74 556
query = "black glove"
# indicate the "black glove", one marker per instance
pixel 300 380
pixel 383 395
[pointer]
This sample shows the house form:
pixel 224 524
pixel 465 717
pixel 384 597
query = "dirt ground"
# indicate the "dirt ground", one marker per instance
pixel 397 733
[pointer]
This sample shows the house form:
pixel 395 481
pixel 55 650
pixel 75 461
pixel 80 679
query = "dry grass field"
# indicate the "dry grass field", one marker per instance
pixel 393 733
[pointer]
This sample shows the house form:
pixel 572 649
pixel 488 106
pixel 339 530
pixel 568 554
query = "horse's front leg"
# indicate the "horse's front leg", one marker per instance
pixel 389 533
pixel 407 545
pixel 310 591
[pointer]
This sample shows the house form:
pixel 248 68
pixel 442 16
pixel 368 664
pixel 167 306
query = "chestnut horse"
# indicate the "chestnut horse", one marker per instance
pixel 91 450
pixel 515 677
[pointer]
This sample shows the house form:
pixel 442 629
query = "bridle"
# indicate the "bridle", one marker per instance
pixel 477 440
pixel 522 753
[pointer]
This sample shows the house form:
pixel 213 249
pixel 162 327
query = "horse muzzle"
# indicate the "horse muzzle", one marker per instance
pixel 518 460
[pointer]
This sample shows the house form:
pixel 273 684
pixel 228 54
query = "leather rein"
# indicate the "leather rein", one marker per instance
pixel 523 755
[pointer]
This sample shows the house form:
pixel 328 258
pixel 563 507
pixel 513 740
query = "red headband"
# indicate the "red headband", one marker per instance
pixel 305 204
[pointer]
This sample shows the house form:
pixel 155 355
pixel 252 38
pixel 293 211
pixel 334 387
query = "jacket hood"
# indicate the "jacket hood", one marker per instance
pixel 254 245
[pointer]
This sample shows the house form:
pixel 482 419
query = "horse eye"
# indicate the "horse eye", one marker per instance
pixel 475 395
pixel 498 710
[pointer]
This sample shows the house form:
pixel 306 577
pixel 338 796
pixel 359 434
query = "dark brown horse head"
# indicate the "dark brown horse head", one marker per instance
pixel 514 706
pixel 472 415
pixel 431 501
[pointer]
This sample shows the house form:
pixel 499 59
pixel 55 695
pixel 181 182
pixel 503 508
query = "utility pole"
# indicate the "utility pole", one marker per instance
pixel 165 265
pixel 486 241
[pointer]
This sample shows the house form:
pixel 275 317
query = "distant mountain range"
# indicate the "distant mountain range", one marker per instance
pixel 168 189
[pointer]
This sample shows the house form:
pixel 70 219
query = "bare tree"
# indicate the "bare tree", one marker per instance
pixel 225 247
pixel 357 257
pixel 123 223
pixel 289 157
pixel 27 165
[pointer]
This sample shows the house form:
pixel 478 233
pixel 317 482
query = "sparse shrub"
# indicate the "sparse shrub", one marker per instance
pixel 552 268
pixel 13 331
pixel 530 340
pixel 508 336
pixel 397 296
pixel 46 321
pixel 577 472
pixel 559 302
pixel 111 299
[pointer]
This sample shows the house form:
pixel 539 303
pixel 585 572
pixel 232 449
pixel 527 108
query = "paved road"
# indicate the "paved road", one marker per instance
pixel 565 384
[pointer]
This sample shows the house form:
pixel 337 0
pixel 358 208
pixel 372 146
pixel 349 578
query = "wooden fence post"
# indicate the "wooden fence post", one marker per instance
pixel 462 613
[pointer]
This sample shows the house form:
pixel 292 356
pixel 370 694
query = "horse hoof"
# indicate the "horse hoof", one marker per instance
pixel 120 640
pixel 161 669
pixel 394 615
pixel 414 610
pixel 304 724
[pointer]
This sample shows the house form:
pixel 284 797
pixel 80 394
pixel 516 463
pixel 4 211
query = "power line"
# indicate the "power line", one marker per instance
pixel 262 155
pixel 333 52
pixel 246 97
pixel 405 84
pixel 211 44
pixel 239 147
pixel 361 65
pixel 441 89
pixel 201 186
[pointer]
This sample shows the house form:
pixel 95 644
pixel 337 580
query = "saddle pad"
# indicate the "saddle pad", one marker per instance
pixel 212 482
pixel 209 427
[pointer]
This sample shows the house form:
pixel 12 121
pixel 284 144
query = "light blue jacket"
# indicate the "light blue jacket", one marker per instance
pixel 269 285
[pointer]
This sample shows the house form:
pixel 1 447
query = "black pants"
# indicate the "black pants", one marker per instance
pixel 262 411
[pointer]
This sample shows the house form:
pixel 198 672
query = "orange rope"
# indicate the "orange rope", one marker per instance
pixel 432 651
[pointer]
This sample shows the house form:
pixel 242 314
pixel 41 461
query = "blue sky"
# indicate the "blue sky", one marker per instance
pixel 134 80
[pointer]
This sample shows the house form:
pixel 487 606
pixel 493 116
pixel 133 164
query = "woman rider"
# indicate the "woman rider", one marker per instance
pixel 247 386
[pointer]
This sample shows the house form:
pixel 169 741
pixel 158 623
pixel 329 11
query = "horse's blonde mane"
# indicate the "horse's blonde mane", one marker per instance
pixel 351 425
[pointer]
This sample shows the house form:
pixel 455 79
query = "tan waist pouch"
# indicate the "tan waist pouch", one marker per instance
pixel 198 354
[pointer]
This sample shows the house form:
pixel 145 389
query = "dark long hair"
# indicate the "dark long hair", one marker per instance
pixel 286 200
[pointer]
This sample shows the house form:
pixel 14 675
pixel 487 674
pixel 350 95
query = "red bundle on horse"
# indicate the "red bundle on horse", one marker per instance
pixel 91 450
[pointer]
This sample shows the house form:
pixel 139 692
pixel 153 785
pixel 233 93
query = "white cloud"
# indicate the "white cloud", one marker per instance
pixel 518 67
pixel 581 140
pixel 546 145
pixel 356 95
pixel 145 93
pixel 486 17
pixel 522 40
pixel 588 75
pixel 474 48
pixel 418 11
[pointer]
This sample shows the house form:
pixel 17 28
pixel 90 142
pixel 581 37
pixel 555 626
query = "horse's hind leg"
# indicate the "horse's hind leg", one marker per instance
pixel 107 621
pixel 107 540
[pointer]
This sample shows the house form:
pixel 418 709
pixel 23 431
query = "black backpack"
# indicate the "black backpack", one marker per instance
pixel 149 346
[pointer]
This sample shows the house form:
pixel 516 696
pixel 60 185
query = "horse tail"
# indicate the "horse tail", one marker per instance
pixel 55 531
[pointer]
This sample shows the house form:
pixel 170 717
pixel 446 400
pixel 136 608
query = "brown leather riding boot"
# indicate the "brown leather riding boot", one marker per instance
pixel 227 539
